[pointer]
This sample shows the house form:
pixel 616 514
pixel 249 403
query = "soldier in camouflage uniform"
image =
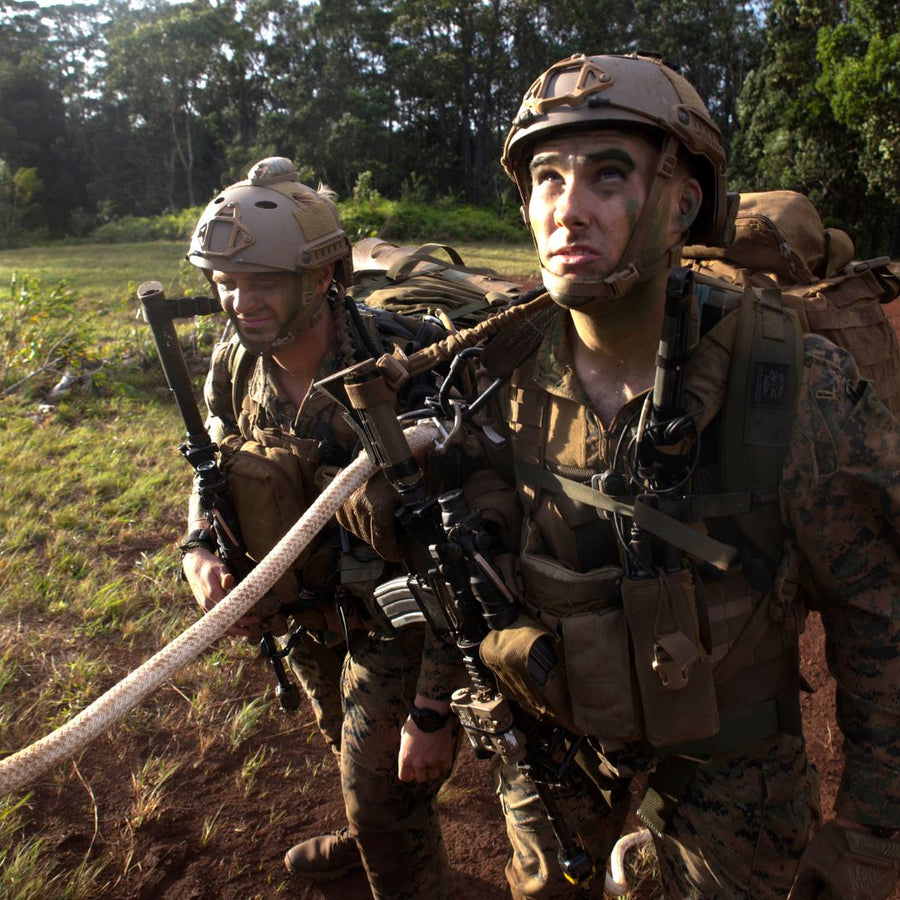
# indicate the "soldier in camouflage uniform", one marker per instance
pixel 618 164
pixel 275 253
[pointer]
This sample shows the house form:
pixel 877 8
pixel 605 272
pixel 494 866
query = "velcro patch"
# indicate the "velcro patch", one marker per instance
pixel 770 384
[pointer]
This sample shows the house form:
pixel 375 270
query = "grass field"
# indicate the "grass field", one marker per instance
pixel 103 273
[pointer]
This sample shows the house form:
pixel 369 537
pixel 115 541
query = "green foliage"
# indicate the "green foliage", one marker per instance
pixel 39 332
pixel 405 221
pixel 364 191
pixel 365 215
pixel 789 134
pixel 19 194
pixel 166 227
pixel 860 61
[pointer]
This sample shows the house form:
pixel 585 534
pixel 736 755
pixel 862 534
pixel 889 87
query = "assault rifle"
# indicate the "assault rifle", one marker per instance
pixel 461 592
pixel 200 451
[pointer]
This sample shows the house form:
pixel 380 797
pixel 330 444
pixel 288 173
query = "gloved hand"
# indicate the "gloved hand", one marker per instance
pixel 369 514
pixel 841 864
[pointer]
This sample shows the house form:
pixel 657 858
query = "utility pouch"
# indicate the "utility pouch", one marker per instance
pixel 601 676
pixel 585 609
pixel 674 670
pixel 527 660
pixel 267 492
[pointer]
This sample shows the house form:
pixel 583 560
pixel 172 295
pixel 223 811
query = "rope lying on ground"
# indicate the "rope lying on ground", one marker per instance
pixel 25 766
pixel 616 880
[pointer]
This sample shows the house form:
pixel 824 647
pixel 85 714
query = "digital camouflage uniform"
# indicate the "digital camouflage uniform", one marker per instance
pixel 747 811
pixel 394 823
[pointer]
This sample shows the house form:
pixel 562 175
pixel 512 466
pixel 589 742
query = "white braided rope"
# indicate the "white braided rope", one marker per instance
pixel 616 880
pixel 22 768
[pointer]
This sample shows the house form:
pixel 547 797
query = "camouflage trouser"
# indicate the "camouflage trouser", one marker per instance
pixel 533 869
pixel 737 834
pixel 395 823
pixel 318 669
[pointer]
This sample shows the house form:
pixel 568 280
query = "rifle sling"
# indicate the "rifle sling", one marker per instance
pixel 694 543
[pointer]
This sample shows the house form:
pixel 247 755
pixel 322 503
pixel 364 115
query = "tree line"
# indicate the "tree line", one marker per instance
pixel 117 108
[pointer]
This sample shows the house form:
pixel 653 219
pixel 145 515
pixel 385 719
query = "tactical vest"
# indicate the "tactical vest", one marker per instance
pixel 738 626
pixel 275 475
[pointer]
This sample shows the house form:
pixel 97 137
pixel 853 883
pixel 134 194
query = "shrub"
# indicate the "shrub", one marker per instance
pixel 39 332
pixel 365 215
pixel 407 221
pixel 131 229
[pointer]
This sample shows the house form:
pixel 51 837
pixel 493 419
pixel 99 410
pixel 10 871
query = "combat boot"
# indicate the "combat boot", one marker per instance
pixel 325 857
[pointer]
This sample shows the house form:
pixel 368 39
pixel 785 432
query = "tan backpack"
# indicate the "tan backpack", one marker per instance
pixel 780 242
pixel 416 282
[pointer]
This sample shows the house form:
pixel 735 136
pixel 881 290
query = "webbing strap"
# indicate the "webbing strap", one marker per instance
pixel 694 543
pixel 759 409
pixel 240 367
pixel 668 783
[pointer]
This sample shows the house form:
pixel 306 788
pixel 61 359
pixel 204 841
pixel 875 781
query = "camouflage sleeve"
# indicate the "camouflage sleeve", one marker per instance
pixel 841 495
pixel 442 671
pixel 217 391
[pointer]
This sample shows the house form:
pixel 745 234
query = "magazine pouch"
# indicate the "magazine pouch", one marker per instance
pixel 673 668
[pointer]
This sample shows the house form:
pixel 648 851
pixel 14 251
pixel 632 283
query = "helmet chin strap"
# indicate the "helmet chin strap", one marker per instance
pixel 573 293
pixel 307 316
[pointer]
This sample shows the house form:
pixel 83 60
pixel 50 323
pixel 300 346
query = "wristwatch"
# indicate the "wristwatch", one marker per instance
pixel 427 720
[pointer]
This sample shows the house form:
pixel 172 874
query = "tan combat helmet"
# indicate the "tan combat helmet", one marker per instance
pixel 271 222
pixel 596 91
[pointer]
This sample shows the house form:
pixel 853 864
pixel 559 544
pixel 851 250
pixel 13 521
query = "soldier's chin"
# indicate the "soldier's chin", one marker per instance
pixel 573 292
pixel 257 344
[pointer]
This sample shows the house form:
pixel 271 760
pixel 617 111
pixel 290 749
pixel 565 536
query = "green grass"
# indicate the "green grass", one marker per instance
pixel 92 506
pixel 104 274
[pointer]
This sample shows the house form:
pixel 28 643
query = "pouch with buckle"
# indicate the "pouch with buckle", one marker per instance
pixel 673 668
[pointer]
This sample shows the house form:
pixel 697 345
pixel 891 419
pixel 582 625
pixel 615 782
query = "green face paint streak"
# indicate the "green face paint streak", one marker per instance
pixel 633 210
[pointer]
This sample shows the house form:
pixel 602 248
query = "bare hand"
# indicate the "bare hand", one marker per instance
pixel 426 756
pixel 210 581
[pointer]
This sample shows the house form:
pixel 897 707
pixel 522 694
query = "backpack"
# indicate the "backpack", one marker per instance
pixel 414 282
pixel 405 297
pixel 780 243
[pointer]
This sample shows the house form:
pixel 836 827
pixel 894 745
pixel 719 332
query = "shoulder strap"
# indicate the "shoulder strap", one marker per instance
pixel 510 347
pixel 758 413
pixel 241 363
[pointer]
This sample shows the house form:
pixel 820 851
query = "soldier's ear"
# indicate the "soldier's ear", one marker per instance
pixel 324 277
pixel 689 200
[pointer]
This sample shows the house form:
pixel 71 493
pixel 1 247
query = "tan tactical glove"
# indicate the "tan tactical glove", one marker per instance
pixel 841 864
pixel 369 514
